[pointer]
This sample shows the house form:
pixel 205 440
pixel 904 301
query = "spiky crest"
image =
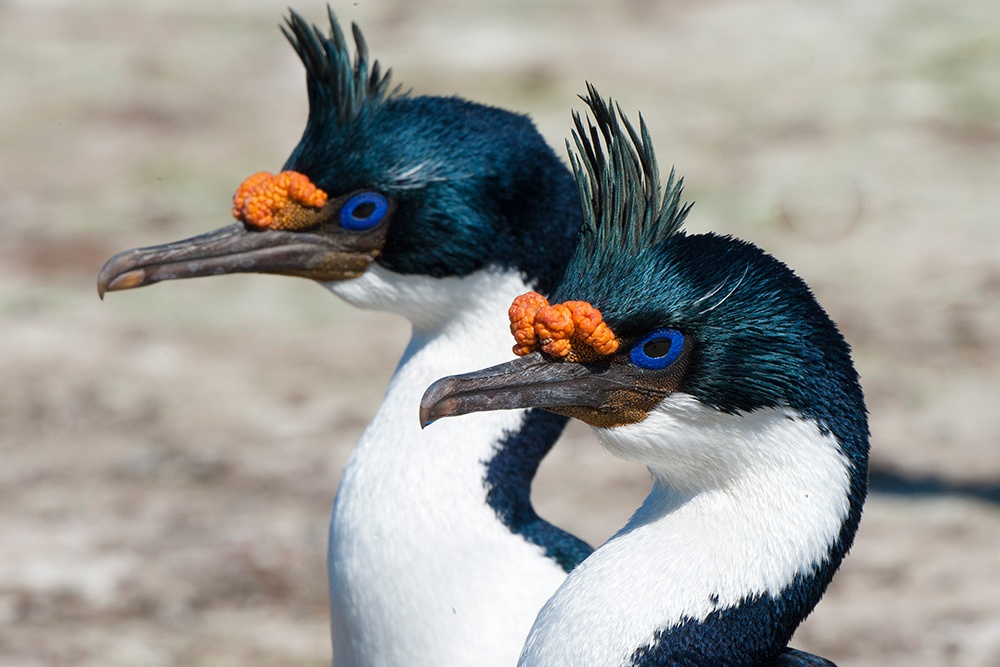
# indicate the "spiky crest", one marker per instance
pixel 337 86
pixel 625 208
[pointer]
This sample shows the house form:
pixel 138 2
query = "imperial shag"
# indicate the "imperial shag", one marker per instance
pixel 440 210
pixel 711 363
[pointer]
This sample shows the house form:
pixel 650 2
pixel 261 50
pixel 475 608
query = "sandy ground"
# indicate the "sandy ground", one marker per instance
pixel 170 455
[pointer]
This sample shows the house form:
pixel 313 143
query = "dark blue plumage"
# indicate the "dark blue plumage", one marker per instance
pixel 508 483
pixel 793 658
pixel 746 635
pixel 474 186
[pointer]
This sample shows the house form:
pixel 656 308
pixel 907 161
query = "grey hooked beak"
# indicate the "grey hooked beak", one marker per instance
pixel 533 381
pixel 332 255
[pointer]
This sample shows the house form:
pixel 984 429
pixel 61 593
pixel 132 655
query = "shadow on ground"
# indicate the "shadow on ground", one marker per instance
pixel 896 483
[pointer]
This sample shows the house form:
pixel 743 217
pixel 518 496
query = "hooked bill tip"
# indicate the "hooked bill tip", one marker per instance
pixel 431 413
pixel 444 408
pixel 435 403
pixel 123 281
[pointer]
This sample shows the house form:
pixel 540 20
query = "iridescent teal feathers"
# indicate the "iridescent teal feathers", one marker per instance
pixel 336 84
pixel 625 207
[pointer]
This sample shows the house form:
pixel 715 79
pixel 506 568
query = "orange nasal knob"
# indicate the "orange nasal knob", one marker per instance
pixel 573 330
pixel 554 327
pixel 522 321
pixel 276 201
pixel 591 328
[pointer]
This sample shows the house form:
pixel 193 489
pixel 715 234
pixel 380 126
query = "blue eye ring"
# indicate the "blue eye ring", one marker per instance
pixel 650 353
pixel 378 204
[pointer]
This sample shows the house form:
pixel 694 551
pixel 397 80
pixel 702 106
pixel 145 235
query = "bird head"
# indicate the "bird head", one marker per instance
pixel 433 186
pixel 701 324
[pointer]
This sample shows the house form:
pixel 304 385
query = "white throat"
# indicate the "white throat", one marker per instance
pixel 422 571
pixel 433 305
pixel 741 504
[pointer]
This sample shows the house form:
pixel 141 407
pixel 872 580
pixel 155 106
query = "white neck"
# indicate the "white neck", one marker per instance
pixel 741 505
pixel 422 572
pixel 435 305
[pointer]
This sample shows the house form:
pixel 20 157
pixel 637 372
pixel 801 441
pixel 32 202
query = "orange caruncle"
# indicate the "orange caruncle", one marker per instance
pixel 522 321
pixel 554 328
pixel 272 201
pixel 246 188
pixel 573 330
pixel 591 329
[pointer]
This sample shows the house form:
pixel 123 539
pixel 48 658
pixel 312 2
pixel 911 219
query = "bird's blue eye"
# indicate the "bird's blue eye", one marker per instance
pixel 657 349
pixel 363 211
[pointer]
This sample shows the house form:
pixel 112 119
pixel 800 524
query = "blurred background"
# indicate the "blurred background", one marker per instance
pixel 169 456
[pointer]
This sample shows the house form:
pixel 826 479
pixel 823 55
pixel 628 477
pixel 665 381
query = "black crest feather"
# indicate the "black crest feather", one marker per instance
pixel 625 207
pixel 340 89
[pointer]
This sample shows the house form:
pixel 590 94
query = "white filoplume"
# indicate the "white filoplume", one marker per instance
pixel 422 571
pixel 741 504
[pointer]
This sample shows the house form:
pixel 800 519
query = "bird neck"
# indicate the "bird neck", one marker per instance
pixel 434 555
pixel 748 519
pixel 441 310
pixel 456 329
pixel 448 314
